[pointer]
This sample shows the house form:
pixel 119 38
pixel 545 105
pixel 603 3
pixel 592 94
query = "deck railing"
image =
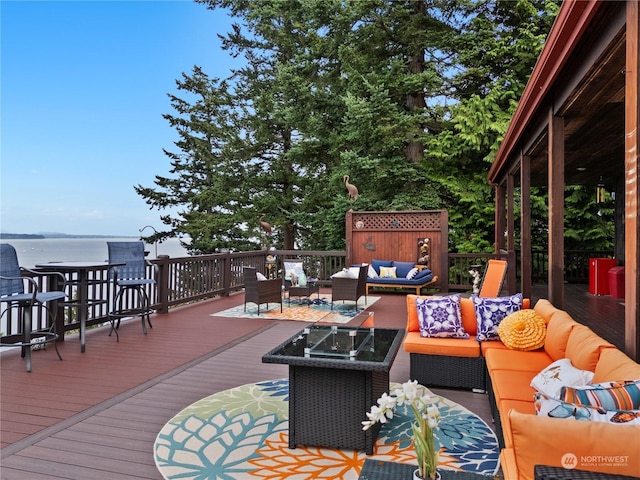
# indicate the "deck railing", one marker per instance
pixel 195 278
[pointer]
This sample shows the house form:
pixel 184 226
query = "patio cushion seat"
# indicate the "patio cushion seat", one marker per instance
pixel 456 347
pixel 400 281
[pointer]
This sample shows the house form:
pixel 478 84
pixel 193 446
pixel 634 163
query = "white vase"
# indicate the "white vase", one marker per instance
pixel 416 475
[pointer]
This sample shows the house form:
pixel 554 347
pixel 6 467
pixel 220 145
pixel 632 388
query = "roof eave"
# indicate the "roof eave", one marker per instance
pixel 568 28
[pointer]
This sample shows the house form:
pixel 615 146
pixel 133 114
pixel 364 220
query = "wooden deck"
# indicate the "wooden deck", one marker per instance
pixel 96 415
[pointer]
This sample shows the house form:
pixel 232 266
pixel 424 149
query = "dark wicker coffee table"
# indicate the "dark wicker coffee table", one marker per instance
pixel 336 374
pixel 379 470
pixel 305 291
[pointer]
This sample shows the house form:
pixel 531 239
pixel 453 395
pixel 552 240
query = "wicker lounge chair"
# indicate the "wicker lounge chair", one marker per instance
pixel 260 291
pixel 350 288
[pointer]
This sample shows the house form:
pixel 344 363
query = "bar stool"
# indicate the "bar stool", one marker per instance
pixel 130 281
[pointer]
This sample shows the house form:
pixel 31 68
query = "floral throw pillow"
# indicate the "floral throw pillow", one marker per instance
pixel 560 373
pixel 491 311
pixel 440 317
pixel 387 272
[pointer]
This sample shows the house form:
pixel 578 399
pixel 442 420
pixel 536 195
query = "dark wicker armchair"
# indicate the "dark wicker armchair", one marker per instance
pixel 350 288
pixel 260 291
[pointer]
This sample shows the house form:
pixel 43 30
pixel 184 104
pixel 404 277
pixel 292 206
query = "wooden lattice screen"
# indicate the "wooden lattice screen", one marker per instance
pixel 395 236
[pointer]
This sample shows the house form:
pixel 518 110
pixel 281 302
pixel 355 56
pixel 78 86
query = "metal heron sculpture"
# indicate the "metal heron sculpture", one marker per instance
pixel 351 188
pixel 264 225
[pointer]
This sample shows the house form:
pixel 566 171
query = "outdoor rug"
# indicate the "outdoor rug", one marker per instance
pixel 307 310
pixel 242 433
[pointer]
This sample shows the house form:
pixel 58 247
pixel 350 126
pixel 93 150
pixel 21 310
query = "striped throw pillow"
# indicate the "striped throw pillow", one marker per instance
pixel 624 395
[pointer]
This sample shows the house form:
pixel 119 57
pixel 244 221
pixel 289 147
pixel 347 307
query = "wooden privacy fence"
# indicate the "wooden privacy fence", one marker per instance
pixel 395 236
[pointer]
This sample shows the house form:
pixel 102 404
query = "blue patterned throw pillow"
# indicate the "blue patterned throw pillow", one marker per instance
pixel 491 311
pixel 440 317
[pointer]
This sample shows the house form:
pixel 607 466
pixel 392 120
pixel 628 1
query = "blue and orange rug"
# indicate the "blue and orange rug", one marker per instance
pixel 315 309
pixel 242 433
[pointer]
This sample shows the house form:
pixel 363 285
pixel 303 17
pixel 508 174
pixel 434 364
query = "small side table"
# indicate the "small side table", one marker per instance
pixel 305 291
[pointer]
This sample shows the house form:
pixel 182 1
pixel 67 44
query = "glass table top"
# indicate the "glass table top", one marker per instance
pixel 359 342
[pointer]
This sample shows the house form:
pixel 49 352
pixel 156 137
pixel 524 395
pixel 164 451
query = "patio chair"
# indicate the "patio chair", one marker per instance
pixel 493 279
pixel 12 292
pixel 345 288
pixel 292 272
pixel 260 291
pixel 131 282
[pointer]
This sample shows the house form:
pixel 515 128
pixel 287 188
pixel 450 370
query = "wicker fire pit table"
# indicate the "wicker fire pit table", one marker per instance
pixel 336 373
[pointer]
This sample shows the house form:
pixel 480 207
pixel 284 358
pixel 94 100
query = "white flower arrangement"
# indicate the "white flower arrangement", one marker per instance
pixel 427 418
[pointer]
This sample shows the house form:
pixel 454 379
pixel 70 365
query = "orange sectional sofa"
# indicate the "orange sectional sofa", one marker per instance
pixel 446 362
pixel 531 439
pixel 528 439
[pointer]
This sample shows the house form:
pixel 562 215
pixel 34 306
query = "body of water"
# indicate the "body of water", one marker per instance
pixel 34 251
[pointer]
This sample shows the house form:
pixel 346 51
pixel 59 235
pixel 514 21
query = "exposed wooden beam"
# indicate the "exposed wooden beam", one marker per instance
pixel 556 209
pixel 525 225
pixel 499 219
pixel 511 232
pixel 632 182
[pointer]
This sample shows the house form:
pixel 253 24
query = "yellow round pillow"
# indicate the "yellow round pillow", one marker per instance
pixel 523 330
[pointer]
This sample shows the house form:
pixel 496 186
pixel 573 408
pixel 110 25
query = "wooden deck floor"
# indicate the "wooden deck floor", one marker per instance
pixel 97 414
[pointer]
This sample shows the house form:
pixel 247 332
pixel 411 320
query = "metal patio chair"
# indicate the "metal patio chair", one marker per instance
pixel 13 279
pixel 131 281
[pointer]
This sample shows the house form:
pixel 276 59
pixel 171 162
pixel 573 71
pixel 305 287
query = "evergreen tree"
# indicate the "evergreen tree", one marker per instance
pixel 410 98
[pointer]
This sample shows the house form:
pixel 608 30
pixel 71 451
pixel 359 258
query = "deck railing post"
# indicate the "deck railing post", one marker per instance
pixel 162 283
pixel 225 271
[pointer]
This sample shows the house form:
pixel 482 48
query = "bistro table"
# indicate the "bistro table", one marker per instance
pixel 83 302
pixel 336 373
pixel 306 291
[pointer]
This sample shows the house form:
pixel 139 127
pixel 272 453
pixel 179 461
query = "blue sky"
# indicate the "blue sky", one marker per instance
pixel 84 85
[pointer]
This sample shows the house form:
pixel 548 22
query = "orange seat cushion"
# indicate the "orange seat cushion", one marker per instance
pixel 506 359
pixel 512 385
pixel 446 346
pixel 491 345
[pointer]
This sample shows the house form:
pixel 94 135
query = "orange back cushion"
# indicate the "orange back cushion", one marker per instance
pixel 584 346
pixel 546 441
pixel 545 309
pixel 467 311
pixel 613 365
pixel 558 330
pixel 413 324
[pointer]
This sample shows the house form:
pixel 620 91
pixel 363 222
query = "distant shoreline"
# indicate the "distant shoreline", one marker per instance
pixel 41 236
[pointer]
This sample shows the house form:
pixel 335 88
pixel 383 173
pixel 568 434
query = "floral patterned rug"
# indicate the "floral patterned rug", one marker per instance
pixel 242 433
pixel 315 309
